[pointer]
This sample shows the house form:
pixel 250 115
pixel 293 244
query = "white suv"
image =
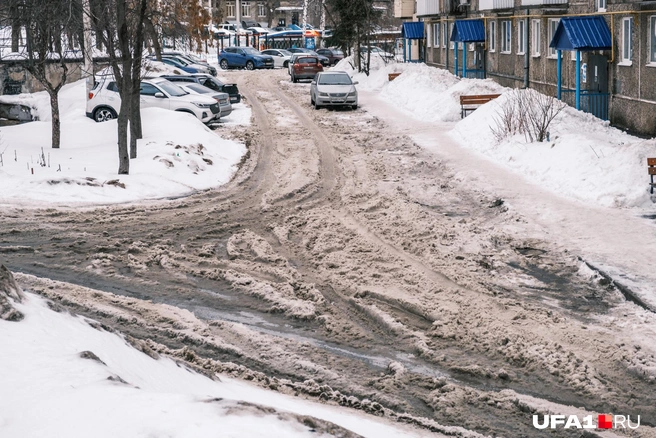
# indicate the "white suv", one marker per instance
pixel 105 103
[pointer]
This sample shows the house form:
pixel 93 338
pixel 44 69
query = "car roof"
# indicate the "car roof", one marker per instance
pixel 332 72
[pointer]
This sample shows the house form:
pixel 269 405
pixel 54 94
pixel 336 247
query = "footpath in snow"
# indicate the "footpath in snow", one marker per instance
pixel 585 188
pixel 177 155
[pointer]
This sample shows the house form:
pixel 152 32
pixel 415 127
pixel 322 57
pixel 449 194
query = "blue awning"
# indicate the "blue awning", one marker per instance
pixel 582 33
pixel 468 31
pixel 413 30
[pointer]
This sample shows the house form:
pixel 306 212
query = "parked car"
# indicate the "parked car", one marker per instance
pixel 333 88
pixel 190 57
pixel 324 61
pixel 306 67
pixel 244 57
pixel 104 102
pixel 333 55
pixel 209 82
pixel 235 27
pixel 183 65
pixel 257 30
pixel 377 51
pixel 280 57
pixel 222 98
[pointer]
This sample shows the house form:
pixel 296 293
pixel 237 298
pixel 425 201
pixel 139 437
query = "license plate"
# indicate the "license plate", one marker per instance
pixel 307 68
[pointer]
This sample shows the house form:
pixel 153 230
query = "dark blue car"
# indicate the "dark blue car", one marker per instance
pixel 177 64
pixel 244 57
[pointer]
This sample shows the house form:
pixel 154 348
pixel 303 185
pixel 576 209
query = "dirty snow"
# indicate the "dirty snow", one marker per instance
pixel 115 390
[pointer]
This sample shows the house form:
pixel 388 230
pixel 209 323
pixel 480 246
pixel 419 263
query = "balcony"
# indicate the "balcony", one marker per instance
pixel 543 2
pixel 488 5
pixel 428 7
pixel 404 8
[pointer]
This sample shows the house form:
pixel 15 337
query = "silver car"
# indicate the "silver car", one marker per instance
pixel 222 98
pixel 333 88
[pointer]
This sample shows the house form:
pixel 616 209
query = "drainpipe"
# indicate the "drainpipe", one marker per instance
pixel 559 54
pixel 464 60
pixel 578 79
pixel 455 58
pixel 527 51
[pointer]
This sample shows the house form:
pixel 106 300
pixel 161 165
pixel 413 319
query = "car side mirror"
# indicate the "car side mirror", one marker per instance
pixel 243 54
pixel 314 82
pixel 160 95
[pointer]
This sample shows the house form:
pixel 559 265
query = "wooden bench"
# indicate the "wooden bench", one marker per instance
pixel 651 168
pixel 392 76
pixel 471 102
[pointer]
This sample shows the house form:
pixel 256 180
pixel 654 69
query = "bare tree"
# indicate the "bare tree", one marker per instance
pixel 120 26
pixel 46 25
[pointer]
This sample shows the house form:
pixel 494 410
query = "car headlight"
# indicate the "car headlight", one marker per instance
pixel 202 105
pixel 353 93
pixel 323 94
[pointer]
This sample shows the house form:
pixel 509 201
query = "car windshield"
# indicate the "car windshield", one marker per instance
pixel 171 89
pixel 335 80
pixel 179 60
pixel 198 88
pixel 306 61
pixel 250 51
pixel 285 52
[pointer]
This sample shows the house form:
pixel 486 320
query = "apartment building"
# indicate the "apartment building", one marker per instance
pixel 509 41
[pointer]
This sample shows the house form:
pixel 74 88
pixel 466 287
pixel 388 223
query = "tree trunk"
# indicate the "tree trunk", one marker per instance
pixel 152 34
pixel 123 157
pixel 56 126
pixel 135 122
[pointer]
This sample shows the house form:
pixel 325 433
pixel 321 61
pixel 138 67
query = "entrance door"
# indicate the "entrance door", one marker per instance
pixel 598 73
pixel 597 93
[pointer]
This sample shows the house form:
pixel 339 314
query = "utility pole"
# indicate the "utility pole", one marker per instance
pixel 88 44
pixel 305 8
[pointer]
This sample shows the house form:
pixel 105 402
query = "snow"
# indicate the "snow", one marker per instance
pixel 586 159
pixel 56 392
pixel 178 155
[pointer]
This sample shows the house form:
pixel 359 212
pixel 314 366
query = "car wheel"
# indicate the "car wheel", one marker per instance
pixel 285 64
pixel 354 107
pixel 316 105
pixel 250 65
pixel 104 114
pixel 224 64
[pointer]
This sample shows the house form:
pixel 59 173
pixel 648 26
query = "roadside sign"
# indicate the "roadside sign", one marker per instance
pixel 309 43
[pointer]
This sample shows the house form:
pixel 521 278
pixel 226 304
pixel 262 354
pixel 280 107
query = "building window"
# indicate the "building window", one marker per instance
pixel 601 5
pixel 246 9
pixel 451 45
pixel 553 25
pixel 261 10
pixel 429 37
pixel 652 39
pixel 535 38
pixel 521 33
pixel 436 34
pixel 493 36
pixel 230 9
pixel 506 35
pixel 445 38
pixel 627 45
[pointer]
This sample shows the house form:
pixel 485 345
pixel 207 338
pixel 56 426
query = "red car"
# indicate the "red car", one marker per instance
pixel 306 67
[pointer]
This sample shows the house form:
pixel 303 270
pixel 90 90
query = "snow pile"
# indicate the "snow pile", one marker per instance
pixel 177 155
pixel 585 159
pixel 62 377
pixel 427 93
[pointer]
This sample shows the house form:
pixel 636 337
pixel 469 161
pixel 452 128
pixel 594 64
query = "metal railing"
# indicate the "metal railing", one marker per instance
pixel 594 103
pixel 475 74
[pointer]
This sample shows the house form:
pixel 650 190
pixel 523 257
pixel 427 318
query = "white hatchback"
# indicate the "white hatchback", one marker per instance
pixel 104 102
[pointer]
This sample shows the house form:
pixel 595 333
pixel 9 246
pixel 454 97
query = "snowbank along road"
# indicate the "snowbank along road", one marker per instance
pixel 346 263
